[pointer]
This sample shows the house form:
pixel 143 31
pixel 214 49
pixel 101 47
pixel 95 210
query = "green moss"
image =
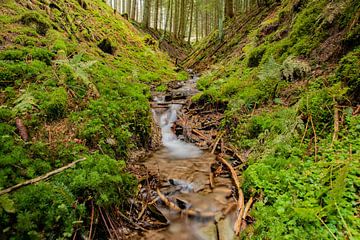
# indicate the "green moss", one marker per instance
pixel 42 24
pixel 255 56
pixel 26 40
pixel 349 73
pixel 56 105
pixel 17 72
pixel 6 114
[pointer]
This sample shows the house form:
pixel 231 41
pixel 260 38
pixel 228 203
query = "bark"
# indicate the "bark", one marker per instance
pixel 191 20
pixel 156 14
pixel 128 7
pixel 176 19
pixel 146 15
pixel 133 10
pixel 229 8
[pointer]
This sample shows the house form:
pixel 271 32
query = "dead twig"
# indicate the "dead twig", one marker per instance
pixel 200 134
pixel 92 219
pixel 217 142
pixel 336 123
pixel 106 225
pixel 315 136
pixel 236 153
pixel 38 179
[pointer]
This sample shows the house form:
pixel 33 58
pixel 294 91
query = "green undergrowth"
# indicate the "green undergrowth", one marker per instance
pixel 291 91
pixel 78 78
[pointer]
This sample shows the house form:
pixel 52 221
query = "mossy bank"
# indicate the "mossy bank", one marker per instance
pixel 287 78
pixel 74 83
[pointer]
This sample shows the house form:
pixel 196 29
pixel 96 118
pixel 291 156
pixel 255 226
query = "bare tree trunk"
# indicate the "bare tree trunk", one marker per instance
pixel 123 6
pixel 146 14
pixel 128 7
pixel 191 20
pixel 176 19
pixel 229 8
pixel 182 20
pixel 133 9
pixel 171 2
pixel 161 15
pixel 156 14
pixel 167 16
pixel 197 23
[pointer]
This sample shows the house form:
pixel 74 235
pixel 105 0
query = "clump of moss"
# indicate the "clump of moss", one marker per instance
pixel 42 25
pixel 349 73
pixel 56 106
pixel 255 57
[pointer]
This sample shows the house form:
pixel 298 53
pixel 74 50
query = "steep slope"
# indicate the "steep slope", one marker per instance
pixel 74 84
pixel 287 79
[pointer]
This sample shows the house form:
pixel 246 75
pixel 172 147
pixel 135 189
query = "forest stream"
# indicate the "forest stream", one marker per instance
pixel 198 210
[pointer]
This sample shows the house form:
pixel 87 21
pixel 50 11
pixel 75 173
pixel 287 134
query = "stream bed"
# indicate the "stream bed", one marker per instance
pixel 207 212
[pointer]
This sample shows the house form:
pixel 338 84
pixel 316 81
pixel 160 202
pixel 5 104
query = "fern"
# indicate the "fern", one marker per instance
pixel 24 103
pixel 79 68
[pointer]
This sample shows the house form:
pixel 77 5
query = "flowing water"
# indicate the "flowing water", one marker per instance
pixel 184 171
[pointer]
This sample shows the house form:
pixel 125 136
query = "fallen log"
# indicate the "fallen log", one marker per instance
pixel 38 179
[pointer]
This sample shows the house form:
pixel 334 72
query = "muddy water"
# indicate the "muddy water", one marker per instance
pixel 184 171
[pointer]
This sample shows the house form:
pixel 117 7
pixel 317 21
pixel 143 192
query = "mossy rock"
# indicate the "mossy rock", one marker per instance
pixel 42 25
pixel 107 47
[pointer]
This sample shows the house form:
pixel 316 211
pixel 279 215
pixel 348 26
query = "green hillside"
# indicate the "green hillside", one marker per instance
pixel 287 77
pixel 74 79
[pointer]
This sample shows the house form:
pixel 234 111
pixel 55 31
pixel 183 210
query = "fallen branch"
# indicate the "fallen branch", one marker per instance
pixel 200 134
pixel 240 202
pixel 41 178
pixel 217 142
pixel 189 212
pixel 247 207
pixel 336 123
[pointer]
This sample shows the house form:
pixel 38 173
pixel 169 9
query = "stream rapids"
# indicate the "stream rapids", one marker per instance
pixel 184 172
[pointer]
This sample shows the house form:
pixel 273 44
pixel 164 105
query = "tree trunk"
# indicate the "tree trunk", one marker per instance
pixel 128 7
pixel 156 14
pixel 167 16
pixel 191 20
pixel 146 14
pixel 229 8
pixel 197 23
pixel 182 21
pixel 133 10
pixel 176 19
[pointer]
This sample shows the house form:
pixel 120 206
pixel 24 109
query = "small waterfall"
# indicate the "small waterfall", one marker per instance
pixel 177 149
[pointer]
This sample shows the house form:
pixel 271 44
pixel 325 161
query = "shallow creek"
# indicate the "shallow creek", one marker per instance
pixel 184 172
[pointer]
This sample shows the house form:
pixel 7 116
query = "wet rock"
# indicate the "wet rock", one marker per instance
pixel 175 85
